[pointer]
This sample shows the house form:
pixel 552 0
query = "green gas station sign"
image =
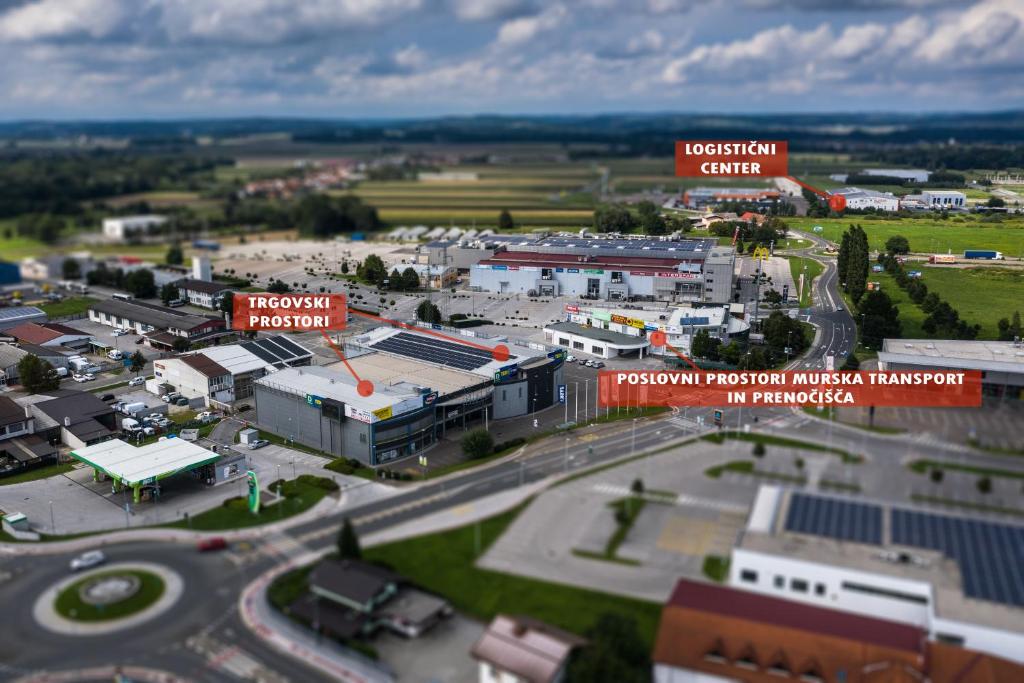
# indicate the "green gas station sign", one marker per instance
pixel 254 492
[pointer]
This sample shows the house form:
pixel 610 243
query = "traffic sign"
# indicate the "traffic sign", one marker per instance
pixel 718 417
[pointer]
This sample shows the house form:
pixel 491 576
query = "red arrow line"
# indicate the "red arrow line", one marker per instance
pixel 678 353
pixel 820 193
pixel 344 360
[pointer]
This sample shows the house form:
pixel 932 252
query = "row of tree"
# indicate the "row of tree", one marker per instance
pixel 783 337
pixel 140 283
pixel 646 217
pixel 852 262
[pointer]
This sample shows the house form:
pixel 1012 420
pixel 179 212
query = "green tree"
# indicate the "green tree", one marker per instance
pixel 37 375
pixel 410 280
pixel 180 345
pixel 985 485
pixel 168 293
pixel 650 218
pixel 175 255
pixel 344 267
pixel 372 270
pixel 781 331
pixel 395 280
pixel 614 653
pixel 278 287
pixel 880 321
pixel 637 486
pixel 505 221
pixel 70 269
pixel 140 283
pixel 897 244
pixel 428 312
pixel 348 542
pixel 613 218
pixel 226 304
pixel 754 359
pixel 995 203
pixel 759 450
pixel 138 362
pixel 477 443
pixel 703 345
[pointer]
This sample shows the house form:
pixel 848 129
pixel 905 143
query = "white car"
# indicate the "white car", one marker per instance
pixel 136 381
pixel 88 377
pixel 87 560
pixel 154 416
pixel 79 378
pixel 570 358
pixel 118 332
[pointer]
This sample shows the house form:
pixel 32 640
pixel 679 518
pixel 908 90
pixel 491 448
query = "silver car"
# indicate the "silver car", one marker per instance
pixel 88 560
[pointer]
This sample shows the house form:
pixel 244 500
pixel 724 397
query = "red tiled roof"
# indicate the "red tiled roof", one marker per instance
pixel 742 604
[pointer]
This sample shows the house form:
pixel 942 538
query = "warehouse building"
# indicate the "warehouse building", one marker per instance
pixel 611 269
pixel 1001 363
pixel 856 198
pixel 459 254
pixel 937 200
pixel 161 326
pixel 51 334
pixel 957 579
pixel 701 198
pixel 423 385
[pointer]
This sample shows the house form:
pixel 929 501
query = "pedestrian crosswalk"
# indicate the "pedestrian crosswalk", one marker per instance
pixel 232 660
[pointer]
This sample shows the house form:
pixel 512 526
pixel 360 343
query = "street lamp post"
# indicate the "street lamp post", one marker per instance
pixel 565 455
pixel 53 525
pixel 632 447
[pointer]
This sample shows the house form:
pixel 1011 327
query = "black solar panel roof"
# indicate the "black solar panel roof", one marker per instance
pixel 436 351
pixel 840 519
pixel 260 352
pixel 990 554
pixel 289 345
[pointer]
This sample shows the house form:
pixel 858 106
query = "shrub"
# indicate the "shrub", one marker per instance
pixel 478 444
pixel 759 450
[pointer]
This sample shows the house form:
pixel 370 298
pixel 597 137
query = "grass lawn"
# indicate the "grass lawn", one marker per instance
pixel 747 467
pixel 299 495
pixel 71 306
pixel 811 269
pixel 924 466
pixel 981 295
pixel 17 248
pixel 771 440
pixel 443 562
pixel 71 606
pixel 37 473
pixel 927 235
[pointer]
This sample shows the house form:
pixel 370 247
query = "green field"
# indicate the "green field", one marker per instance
pixel 981 295
pixel 444 563
pixel 811 269
pixel 927 235
pixel 70 306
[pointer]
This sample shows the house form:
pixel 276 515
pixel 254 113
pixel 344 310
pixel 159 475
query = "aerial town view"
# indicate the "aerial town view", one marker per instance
pixel 510 341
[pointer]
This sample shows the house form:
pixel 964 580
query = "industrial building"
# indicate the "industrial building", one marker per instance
pixel 1001 363
pixel 957 579
pixel 856 198
pixel 610 269
pixel 701 198
pixel 423 385
pixel 159 325
pixel 459 254
pixel 201 292
pixel 678 323
pixel 941 200
pixel 124 227
pixel 51 334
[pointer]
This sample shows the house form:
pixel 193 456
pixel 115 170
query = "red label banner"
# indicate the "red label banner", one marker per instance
pixel 947 389
pixel 731 158
pixel 286 312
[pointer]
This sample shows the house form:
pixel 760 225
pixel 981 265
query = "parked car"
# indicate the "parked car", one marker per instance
pixel 89 376
pixel 140 340
pixel 175 303
pixel 589 363
pixel 181 401
pixel 154 416
pixel 136 381
pixel 212 544
pixel 79 378
pixel 244 407
pixel 582 361
pixel 106 398
pixel 88 559
pixel 598 364
pixel 570 358
pixel 171 397
pixel 258 443
pixel 118 332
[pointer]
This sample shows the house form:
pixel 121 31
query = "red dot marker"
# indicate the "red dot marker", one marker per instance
pixel 500 353
pixel 837 202
pixel 658 338
pixel 365 387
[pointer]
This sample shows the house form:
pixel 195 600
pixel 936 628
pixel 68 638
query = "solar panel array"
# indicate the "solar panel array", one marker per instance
pixel 840 519
pixel 275 350
pixel 436 351
pixel 990 554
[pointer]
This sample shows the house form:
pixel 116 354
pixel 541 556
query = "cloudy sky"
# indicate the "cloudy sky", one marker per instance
pixel 383 58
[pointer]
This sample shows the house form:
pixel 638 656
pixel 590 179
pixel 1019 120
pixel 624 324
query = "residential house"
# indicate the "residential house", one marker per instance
pixel 20 447
pixel 73 418
pixel 518 649
pixel 201 292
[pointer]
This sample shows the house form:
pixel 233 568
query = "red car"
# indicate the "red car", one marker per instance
pixel 212 543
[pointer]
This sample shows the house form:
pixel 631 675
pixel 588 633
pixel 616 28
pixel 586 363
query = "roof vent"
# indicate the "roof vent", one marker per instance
pixel 67 421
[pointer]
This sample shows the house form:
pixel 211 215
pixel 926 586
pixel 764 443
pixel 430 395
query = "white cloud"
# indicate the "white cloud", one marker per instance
pixel 488 10
pixel 525 29
pixel 61 18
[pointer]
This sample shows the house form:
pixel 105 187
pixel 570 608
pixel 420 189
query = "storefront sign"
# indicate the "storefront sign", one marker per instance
pixel 383 413
pixel 358 414
pixel 678 275
pixel 572 308
pixel 254 492
pixel 315 401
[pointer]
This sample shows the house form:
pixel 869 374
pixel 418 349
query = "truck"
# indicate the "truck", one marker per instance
pixel 986 254
pixel 114 354
pixel 134 408
pixel 942 258
pixel 82 365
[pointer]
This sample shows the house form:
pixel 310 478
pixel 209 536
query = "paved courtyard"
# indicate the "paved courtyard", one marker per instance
pixel 441 655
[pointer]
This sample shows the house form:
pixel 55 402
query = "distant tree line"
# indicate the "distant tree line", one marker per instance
pixel 943 320
pixel 139 283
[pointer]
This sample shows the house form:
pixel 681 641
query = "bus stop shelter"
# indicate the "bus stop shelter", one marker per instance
pixel 134 467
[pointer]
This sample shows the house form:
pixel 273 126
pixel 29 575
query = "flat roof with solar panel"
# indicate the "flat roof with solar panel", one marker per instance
pixel 277 350
pixel 972 565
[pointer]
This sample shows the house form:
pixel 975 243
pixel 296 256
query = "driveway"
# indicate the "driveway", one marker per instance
pixel 443 651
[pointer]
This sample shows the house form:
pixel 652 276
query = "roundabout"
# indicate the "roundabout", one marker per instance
pixel 108 599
